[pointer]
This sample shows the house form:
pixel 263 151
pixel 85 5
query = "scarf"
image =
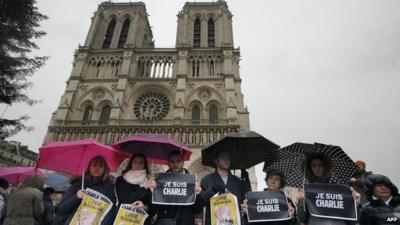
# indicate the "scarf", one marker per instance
pixel 138 177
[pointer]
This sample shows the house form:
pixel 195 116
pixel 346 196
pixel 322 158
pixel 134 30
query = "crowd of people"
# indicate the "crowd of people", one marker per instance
pixel 377 198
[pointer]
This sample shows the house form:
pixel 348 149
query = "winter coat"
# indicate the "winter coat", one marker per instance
pixel 285 222
pixel 127 193
pixel 70 202
pixel 376 212
pixel 184 215
pixel 360 186
pixel 209 182
pixel 25 206
pixel 49 212
pixel 303 213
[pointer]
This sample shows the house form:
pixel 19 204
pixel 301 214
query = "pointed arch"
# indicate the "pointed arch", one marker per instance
pixel 195 114
pixel 211 32
pixel 87 115
pixel 105 114
pixel 124 33
pixel 213 114
pixel 196 33
pixel 109 34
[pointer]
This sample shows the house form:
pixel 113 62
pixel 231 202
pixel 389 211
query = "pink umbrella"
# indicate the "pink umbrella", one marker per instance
pixel 16 175
pixel 155 147
pixel 74 157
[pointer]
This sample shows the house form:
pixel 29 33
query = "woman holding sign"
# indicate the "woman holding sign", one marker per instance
pixel 317 170
pixel 131 187
pixel 96 178
pixel 275 181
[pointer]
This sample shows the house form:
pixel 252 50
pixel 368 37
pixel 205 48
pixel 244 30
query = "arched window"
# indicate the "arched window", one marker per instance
pixel 195 114
pixel 124 33
pixel 105 114
pixel 211 33
pixel 196 33
pixel 109 34
pixel 87 115
pixel 213 114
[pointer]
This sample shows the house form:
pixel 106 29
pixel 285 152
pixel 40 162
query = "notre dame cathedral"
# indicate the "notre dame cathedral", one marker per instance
pixel 121 85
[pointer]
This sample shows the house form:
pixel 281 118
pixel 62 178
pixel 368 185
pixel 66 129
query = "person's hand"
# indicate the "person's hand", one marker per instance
pixel 356 197
pixel 80 193
pixel 218 188
pixel 198 221
pixel 300 196
pixel 244 205
pixel 150 184
pixel 291 210
pixel 197 187
pixel 138 204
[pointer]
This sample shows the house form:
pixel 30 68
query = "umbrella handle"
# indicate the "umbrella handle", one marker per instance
pixel 83 180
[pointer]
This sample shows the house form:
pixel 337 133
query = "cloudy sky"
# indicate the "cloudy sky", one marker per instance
pixel 313 71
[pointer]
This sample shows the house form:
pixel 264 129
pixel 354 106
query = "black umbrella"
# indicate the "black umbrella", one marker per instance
pixel 246 149
pixel 290 160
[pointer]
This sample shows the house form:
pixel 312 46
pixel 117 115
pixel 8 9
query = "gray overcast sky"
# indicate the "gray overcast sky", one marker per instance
pixel 313 71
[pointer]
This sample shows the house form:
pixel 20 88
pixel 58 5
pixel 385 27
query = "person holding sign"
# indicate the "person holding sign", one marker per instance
pixel 384 202
pixel 177 215
pixel 132 186
pixel 275 181
pixel 221 181
pixel 96 178
pixel 317 170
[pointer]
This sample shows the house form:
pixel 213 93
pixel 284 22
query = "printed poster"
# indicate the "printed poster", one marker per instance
pixel 94 207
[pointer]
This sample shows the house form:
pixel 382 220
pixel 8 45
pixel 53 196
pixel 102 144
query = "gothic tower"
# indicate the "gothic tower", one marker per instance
pixel 121 84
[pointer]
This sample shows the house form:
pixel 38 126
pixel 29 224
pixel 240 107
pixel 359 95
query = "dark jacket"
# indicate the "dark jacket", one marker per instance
pixel 292 221
pixel 49 212
pixel 129 193
pixel 303 213
pixel 70 202
pixel 213 181
pixel 359 184
pixel 376 212
pixel 184 215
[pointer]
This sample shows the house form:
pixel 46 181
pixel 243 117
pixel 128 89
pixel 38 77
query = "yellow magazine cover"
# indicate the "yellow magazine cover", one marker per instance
pixel 93 208
pixel 129 215
pixel 224 210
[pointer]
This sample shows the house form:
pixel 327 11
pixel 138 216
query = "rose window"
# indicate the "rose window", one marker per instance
pixel 151 106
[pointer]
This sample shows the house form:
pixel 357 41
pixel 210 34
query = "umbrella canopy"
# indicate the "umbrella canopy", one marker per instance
pixel 290 160
pixel 246 149
pixel 59 182
pixel 155 147
pixel 74 157
pixel 16 175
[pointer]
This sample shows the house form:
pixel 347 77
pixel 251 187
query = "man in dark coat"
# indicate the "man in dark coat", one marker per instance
pixel 358 180
pixel 384 202
pixel 183 215
pixel 221 181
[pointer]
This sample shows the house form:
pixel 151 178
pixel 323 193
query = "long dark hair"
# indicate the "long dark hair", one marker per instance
pixel 106 175
pixel 325 178
pixel 137 155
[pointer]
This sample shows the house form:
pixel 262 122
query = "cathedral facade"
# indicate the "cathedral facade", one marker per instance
pixel 121 85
